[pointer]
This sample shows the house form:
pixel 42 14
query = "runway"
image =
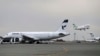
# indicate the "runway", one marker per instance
pixel 54 49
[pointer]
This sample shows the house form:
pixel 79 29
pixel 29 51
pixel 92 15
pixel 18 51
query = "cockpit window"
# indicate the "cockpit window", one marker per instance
pixel 15 33
pixel 6 34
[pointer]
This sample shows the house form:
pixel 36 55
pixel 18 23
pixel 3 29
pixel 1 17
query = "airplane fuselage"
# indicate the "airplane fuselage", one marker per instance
pixel 82 27
pixel 40 36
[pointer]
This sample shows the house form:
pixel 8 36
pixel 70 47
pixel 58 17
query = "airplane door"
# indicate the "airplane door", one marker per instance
pixel 13 40
pixel 16 39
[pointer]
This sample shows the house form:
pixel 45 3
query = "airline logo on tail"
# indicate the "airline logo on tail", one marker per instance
pixel 63 27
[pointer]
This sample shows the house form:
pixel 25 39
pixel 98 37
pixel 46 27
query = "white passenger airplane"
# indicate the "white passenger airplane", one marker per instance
pixel 36 37
pixel 83 27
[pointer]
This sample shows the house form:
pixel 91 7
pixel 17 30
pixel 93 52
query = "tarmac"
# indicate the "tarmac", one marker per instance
pixel 51 49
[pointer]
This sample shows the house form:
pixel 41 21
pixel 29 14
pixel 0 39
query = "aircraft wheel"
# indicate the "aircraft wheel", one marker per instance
pixel 38 42
pixel 31 42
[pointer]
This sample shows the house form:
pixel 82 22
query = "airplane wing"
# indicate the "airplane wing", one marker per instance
pixel 29 37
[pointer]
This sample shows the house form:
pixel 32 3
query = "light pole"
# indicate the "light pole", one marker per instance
pixel 74 36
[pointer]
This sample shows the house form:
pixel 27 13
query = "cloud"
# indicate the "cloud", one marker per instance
pixel 66 7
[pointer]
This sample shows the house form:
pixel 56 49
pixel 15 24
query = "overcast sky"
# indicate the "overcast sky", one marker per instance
pixel 47 15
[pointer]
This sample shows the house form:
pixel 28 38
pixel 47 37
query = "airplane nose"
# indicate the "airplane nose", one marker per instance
pixel 1 37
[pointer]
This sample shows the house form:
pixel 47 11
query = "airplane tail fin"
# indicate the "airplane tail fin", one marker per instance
pixel 74 26
pixel 63 27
